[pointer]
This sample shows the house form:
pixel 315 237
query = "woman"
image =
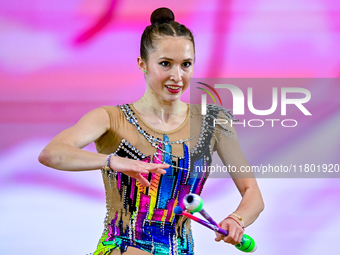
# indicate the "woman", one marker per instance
pixel 150 164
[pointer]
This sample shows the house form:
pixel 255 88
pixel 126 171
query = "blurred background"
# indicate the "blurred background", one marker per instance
pixel 61 59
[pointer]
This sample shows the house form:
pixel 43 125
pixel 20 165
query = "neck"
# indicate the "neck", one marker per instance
pixel 151 105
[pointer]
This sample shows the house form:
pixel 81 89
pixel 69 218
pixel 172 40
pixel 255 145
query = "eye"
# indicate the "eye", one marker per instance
pixel 187 64
pixel 165 63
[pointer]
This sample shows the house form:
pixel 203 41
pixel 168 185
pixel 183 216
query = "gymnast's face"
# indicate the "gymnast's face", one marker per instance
pixel 170 67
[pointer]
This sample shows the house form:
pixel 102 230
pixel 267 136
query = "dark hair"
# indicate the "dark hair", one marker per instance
pixel 162 24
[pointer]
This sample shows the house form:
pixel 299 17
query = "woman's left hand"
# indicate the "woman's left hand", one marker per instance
pixel 235 232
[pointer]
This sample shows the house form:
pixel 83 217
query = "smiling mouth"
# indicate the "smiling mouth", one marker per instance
pixel 173 87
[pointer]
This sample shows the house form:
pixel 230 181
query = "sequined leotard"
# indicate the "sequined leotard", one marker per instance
pixel 143 217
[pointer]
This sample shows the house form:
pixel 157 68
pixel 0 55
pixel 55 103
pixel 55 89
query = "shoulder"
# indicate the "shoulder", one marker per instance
pixel 103 115
pixel 212 109
pixel 220 112
pixel 221 122
pixel 216 120
pixel 114 112
pixel 111 108
pixel 96 115
pixel 212 112
pixel 195 108
pixel 114 121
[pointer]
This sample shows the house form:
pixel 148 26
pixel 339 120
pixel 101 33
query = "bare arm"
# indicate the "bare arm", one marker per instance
pixel 251 204
pixel 65 152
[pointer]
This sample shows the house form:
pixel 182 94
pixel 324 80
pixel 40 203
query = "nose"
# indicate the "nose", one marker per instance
pixel 176 74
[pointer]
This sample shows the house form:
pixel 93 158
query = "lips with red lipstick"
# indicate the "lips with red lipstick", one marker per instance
pixel 173 88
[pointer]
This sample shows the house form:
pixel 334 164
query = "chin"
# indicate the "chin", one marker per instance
pixel 173 98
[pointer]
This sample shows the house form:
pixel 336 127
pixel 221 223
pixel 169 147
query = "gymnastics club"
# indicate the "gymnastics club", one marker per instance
pixel 179 210
pixel 194 203
pixel 247 243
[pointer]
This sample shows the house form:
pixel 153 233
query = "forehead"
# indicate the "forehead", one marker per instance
pixel 173 47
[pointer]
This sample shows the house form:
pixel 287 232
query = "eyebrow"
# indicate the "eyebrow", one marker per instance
pixel 187 59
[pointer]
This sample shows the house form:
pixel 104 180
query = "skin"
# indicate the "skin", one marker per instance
pixel 251 205
pixel 170 63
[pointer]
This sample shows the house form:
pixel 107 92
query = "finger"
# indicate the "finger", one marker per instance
pixel 237 237
pixel 142 180
pixel 233 241
pixel 218 237
pixel 230 237
pixel 159 165
pixel 163 164
pixel 240 237
pixel 157 170
pixel 140 170
pixel 154 168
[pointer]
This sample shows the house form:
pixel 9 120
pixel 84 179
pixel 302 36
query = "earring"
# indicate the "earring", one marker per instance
pixel 143 71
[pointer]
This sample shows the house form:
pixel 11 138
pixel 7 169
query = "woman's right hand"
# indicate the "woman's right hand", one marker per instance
pixel 135 168
pixel 65 152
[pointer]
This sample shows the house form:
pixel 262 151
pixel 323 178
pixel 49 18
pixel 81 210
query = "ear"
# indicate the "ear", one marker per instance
pixel 141 65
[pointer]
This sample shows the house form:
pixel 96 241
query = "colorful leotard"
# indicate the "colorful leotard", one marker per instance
pixel 143 217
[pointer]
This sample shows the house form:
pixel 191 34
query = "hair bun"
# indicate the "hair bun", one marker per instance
pixel 162 15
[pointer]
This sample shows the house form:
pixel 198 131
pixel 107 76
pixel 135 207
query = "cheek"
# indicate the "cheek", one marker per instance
pixel 157 74
pixel 157 79
pixel 187 78
pixel 189 75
